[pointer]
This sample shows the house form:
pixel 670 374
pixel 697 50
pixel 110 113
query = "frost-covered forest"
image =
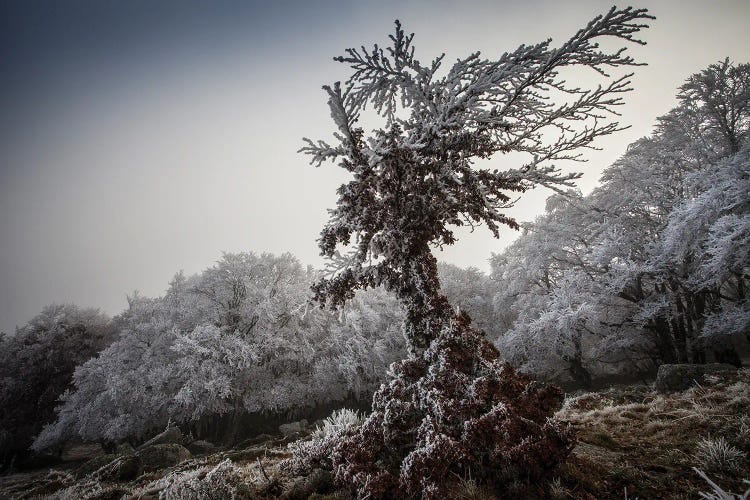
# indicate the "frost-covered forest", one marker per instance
pixel 652 267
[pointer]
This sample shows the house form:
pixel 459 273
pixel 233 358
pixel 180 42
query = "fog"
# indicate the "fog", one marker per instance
pixel 141 138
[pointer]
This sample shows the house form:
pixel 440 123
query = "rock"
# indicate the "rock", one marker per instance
pixel 319 481
pixel 678 377
pixel 124 468
pixel 260 438
pixel 160 456
pixel 81 451
pixel 293 427
pixel 201 447
pixel 172 435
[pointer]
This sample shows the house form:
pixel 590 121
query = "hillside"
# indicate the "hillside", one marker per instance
pixel 631 442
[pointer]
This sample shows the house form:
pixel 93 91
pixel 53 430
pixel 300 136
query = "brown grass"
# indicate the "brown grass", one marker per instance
pixel 645 443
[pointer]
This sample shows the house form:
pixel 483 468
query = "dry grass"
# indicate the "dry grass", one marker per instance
pixel 717 455
pixel 645 443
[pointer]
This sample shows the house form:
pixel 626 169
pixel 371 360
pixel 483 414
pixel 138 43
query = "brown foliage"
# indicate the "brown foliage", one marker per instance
pixel 452 411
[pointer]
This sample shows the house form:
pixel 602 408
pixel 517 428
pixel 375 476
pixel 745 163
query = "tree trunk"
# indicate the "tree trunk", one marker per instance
pixel 418 288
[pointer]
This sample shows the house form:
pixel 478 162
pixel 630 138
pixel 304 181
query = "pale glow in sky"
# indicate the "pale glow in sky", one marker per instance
pixel 137 140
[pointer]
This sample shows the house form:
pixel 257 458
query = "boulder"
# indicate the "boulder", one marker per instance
pixel 125 468
pixel 259 439
pixel 172 435
pixel 293 427
pixel 201 447
pixel 678 377
pixel 160 456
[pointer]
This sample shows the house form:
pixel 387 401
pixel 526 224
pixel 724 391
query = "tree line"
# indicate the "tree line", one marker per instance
pixel 651 267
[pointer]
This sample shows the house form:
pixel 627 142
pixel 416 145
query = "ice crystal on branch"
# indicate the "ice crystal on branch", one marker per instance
pixel 414 179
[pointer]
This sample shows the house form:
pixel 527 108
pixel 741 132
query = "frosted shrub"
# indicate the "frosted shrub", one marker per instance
pixel 338 421
pixel 316 452
pixel 455 410
pixel 206 483
pixel 719 456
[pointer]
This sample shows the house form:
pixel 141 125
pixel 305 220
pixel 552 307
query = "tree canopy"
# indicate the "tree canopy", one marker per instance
pixel 415 178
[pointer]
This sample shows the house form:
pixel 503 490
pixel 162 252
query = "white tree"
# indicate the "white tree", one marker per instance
pixel 656 253
pixel 236 339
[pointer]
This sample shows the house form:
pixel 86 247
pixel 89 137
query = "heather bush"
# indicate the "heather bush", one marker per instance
pixel 455 410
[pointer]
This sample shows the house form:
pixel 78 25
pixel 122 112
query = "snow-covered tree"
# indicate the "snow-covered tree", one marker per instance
pixel 414 180
pixel 36 368
pixel 706 135
pixel 237 338
pixel 568 323
pixel 654 256
pixel 472 291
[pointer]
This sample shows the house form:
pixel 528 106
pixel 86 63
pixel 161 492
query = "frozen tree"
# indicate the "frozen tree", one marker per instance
pixel 415 178
pixel 569 324
pixel 705 249
pixel 237 338
pixel 36 368
pixel 452 406
pixel 472 291
pixel 656 253
pixel 710 127
pixel 719 100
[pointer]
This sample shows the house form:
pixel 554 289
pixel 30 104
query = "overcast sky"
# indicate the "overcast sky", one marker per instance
pixel 141 137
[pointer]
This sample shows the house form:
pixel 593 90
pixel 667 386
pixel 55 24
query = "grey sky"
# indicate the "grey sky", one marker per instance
pixel 139 138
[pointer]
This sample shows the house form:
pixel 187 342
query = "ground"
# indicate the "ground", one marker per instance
pixel 632 443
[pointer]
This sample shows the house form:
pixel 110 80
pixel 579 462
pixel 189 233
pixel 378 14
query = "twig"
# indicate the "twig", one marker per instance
pixel 262 470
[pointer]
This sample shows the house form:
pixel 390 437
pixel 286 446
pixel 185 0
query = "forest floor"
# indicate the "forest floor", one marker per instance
pixel 632 443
